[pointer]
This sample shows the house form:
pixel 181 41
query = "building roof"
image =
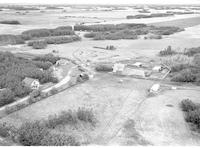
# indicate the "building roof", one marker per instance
pixel 28 81
pixel 118 67
pixel 155 87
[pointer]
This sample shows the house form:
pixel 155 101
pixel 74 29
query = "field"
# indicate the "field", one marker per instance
pixel 127 114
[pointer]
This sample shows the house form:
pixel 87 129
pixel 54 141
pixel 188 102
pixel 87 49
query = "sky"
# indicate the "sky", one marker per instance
pixel 101 1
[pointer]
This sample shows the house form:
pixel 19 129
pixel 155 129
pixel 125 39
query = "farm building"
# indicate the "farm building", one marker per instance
pixel 31 83
pixel 157 68
pixel 137 64
pixel 118 67
pixel 61 62
pixel 134 72
pixel 155 88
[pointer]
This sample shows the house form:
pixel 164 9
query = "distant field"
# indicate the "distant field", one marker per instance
pixel 183 23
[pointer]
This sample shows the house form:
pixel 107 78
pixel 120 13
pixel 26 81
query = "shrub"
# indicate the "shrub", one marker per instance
pixel 11 22
pixel 167 51
pixel 86 115
pixel 11 39
pixel 59 140
pixel 35 93
pixel 177 59
pixel 104 68
pixel 6 97
pixel 10 109
pixel 54 91
pixel 196 60
pixel 44 65
pixel 47 58
pixel 39 44
pixel 31 134
pixel 65 117
pixel 192 51
pixel 184 76
pixel 187 105
pixel 36 33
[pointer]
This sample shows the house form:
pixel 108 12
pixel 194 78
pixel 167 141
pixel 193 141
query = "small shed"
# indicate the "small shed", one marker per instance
pixel 61 62
pixel 138 64
pixel 118 67
pixel 155 88
pixel 31 83
pixel 157 68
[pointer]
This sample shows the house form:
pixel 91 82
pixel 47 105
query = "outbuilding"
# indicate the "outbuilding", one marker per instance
pixel 155 88
pixel 118 67
pixel 157 68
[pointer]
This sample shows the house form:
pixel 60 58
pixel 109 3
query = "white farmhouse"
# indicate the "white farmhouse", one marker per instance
pixel 31 83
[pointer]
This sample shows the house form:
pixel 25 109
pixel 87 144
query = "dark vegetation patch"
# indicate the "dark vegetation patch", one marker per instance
pixel 18 8
pixel 10 22
pixel 41 44
pixel 39 33
pixel 43 133
pixel 123 31
pixel 11 39
pixel 192 113
pixel 140 16
pixel 132 135
pixel 14 69
pixel 104 68
pixel 187 69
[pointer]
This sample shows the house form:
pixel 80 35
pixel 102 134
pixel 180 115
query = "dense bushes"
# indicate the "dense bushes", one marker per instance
pixel 31 134
pixel 184 66
pixel 39 132
pixel 192 51
pixel 11 22
pixel 185 75
pixel 6 97
pixel 47 58
pixel 35 33
pixel 187 105
pixel 11 39
pixel 167 51
pixel 107 27
pixel 39 44
pixel 13 70
pixel 139 16
pixel 104 68
pixel 192 112
pixel 124 31
pixel 59 140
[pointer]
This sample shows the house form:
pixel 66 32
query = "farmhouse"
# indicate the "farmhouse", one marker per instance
pixel 31 83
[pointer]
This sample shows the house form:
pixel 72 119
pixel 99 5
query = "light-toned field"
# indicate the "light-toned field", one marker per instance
pixel 113 104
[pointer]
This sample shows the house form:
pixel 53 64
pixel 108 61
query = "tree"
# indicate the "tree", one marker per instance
pixel 31 134
pixel 6 97
pixel 196 60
